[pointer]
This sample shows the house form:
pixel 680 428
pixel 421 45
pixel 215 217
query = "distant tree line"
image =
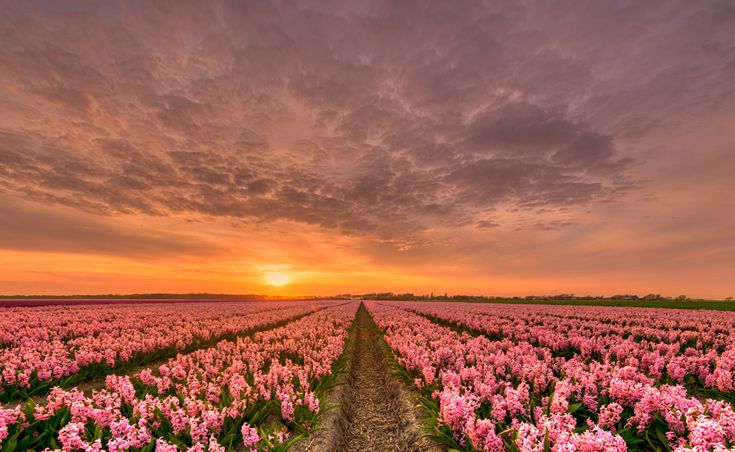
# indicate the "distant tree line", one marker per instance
pixel 408 296
pixel 563 296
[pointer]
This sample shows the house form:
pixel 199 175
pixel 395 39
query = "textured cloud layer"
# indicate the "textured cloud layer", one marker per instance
pixel 376 119
pixel 401 115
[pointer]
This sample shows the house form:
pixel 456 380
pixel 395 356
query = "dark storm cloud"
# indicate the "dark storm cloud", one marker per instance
pixel 370 118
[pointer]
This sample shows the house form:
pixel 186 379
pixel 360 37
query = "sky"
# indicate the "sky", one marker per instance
pixel 499 148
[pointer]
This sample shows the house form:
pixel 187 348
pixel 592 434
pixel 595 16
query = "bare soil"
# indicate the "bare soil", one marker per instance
pixel 376 412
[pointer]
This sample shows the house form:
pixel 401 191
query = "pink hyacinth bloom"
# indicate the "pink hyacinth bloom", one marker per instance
pixel 250 436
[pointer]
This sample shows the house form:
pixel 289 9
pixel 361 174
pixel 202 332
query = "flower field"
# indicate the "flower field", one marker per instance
pixel 258 375
pixel 59 345
pixel 536 378
pixel 260 391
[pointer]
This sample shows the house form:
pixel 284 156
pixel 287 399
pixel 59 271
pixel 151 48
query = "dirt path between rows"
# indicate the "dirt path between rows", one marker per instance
pixel 376 412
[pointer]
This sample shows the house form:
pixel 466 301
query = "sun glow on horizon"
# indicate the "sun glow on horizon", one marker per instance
pixel 277 279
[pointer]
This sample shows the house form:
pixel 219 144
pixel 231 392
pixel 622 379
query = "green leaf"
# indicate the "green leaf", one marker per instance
pixel 11 443
pixel 664 440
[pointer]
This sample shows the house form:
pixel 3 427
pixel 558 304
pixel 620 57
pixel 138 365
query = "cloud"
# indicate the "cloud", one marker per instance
pixel 54 230
pixel 370 119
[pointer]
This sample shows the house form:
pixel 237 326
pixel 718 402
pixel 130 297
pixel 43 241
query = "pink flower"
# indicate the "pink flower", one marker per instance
pixel 287 409
pixel 214 446
pixel 71 437
pixel 610 415
pixel 598 440
pixel 312 402
pixel 250 436
pixel 164 446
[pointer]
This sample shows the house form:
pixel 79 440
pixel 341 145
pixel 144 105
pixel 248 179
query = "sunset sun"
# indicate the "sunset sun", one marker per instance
pixel 277 279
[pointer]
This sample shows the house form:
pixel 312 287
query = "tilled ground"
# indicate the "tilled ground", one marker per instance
pixel 375 412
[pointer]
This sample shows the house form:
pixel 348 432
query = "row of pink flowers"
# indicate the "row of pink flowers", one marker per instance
pixel 663 343
pixel 44 344
pixel 492 393
pixel 200 397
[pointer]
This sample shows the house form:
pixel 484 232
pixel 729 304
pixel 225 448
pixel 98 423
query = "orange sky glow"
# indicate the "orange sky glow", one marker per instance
pixel 366 147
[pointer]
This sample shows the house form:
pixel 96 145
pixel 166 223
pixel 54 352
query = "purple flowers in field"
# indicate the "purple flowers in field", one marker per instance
pixel 536 378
